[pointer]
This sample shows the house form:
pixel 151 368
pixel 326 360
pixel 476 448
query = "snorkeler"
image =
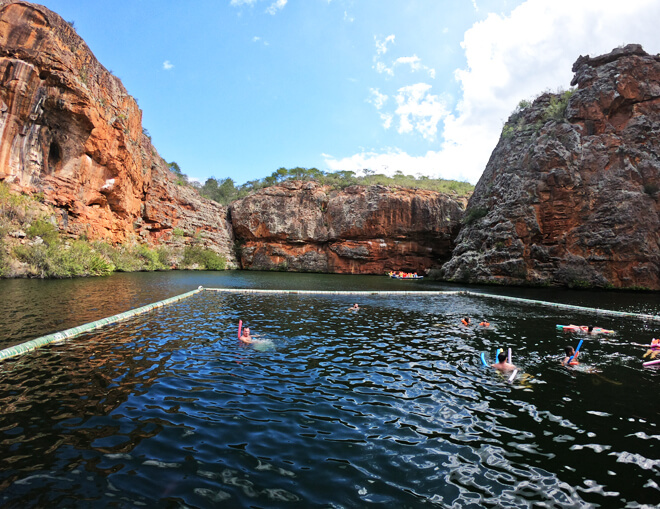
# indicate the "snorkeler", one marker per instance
pixel 571 355
pixel 503 364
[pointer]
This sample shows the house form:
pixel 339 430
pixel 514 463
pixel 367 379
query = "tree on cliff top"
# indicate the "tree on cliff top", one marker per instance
pixel 225 191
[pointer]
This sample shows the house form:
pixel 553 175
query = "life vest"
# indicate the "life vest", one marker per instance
pixel 484 324
pixel 465 322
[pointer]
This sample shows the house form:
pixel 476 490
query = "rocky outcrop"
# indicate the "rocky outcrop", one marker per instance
pixel 69 129
pixel 570 194
pixel 304 226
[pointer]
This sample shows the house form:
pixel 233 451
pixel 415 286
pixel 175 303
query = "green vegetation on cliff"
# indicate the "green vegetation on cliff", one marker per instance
pixel 225 190
pixel 32 246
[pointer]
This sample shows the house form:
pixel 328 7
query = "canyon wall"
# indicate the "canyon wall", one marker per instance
pixel 304 226
pixel 571 197
pixel 69 129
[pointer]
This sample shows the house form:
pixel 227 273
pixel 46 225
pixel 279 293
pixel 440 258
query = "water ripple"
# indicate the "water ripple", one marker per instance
pixel 386 406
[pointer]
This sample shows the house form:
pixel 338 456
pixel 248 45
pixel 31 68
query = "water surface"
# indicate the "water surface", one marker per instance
pixel 386 406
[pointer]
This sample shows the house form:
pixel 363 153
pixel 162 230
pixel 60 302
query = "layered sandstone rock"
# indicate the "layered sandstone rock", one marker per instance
pixel 69 129
pixel 573 199
pixel 304 226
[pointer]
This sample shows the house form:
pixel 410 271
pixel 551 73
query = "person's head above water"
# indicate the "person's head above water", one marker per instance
pixel 569 351
pixel 502 357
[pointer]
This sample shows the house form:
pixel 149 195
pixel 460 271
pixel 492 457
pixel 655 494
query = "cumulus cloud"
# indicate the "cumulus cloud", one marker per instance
pixel 508 58
pixel 237 3
pixel 418 110
pixel 437 164
pixel 167 65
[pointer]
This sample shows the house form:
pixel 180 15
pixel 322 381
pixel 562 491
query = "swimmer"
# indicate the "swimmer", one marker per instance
pixel 484 323
pixel 654 349
pixel 245 336
pixel 570 353
pixel 466 320
pixel 503 365
pixel 354 307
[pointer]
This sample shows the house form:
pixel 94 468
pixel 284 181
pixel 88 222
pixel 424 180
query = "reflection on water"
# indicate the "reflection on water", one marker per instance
pixel 389 405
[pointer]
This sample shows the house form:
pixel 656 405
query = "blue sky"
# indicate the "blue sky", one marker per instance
pixel 240 88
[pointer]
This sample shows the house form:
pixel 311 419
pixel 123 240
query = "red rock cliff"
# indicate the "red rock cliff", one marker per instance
pixel 303 226
pixel 573 198
pixel 68 128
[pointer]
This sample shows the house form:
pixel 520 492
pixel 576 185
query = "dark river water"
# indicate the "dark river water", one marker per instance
pixel 388 406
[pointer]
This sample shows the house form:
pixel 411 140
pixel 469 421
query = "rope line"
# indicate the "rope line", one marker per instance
pixel 81 329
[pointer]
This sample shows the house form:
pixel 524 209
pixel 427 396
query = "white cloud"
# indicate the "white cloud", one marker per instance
pixel 418 110
pixel 348 18
pixel 415 64
pixel 377 99
pixel 414 61
pixel 508 58
pixel 382 68
pixel 167 65
pixel 381 46
pixel 437 164
pixel 278 5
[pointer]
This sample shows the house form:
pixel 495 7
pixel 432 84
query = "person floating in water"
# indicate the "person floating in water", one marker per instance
pixel 466 320
pixel 245 336
pixel 503 364
pixel 570 354
pixel 354 307
pixel 484 323
pixel 654 349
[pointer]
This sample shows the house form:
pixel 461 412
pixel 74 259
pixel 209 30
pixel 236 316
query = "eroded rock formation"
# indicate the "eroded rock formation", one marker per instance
pixel 572 198
pixel 69 129
pixel 303 226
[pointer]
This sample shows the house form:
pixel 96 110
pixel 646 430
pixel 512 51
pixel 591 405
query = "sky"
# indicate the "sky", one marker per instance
pixel 239 88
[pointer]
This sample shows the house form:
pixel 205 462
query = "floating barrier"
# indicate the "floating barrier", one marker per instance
pixel 428 293
pixel 12 351
pixel 76 331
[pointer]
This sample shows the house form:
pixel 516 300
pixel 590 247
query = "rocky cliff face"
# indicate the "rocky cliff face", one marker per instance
pixel 303 226
pixel 571 197
pixel 69 129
